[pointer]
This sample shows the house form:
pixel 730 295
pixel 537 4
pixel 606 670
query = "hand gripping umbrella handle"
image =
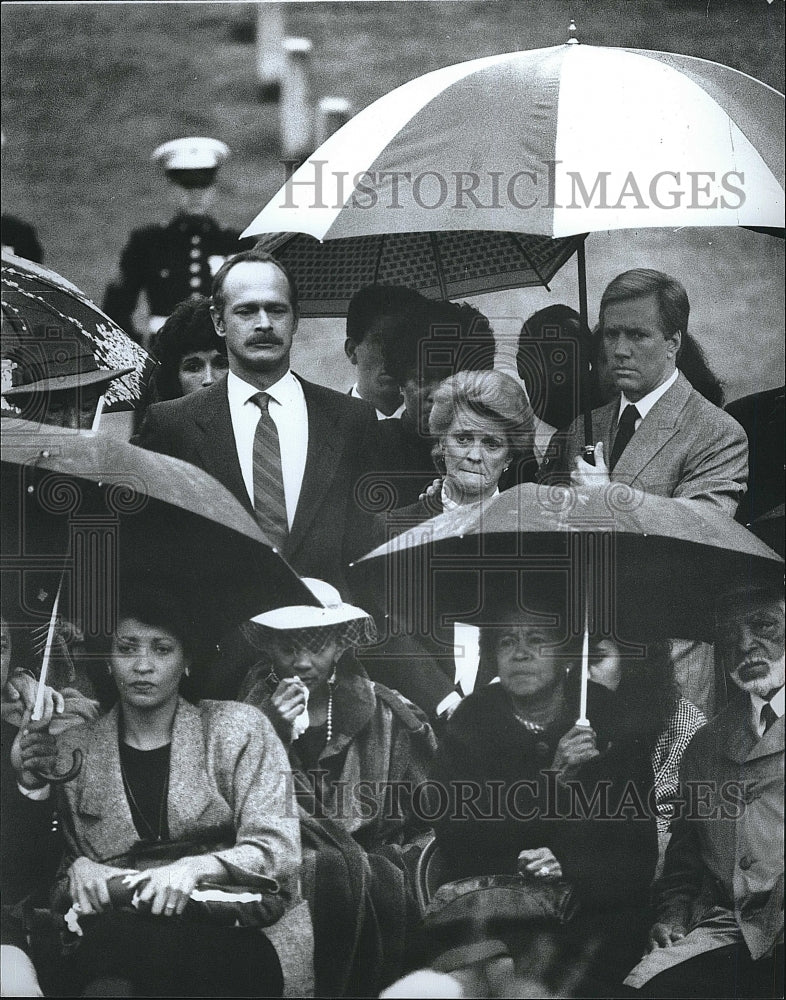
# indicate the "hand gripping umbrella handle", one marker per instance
pixel 53 778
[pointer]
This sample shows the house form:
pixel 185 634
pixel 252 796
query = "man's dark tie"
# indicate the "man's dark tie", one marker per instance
pixel 768 716
pixel 269 503
pixel 625 430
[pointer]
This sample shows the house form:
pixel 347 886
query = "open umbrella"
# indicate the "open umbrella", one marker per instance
pixel 39 305
pixel 446 265
pixel 147 515
pixel 557 141
pixel 625 563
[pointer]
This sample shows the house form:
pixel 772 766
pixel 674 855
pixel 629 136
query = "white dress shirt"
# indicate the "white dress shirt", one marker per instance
pixel 757 704
pixel 380 415
pixel 288 411
pixel 646 403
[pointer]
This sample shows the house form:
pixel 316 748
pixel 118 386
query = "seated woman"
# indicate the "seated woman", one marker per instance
pixel 203 787
pixel 357 749
pixel 549 798
pixel 650 707
pixel 191 354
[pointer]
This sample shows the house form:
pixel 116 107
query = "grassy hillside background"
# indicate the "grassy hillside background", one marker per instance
pixel 89 90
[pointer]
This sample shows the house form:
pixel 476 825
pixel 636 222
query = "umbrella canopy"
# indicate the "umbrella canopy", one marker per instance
pixel 556 141
pixel 41 306
pixel 446 265
pixel 110 511
pixel 651 565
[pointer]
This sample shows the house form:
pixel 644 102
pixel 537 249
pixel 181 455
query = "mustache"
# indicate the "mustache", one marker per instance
pixel 265 339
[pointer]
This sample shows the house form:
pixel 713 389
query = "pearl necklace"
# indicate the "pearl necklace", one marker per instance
pixel 532 727
pixel 330 713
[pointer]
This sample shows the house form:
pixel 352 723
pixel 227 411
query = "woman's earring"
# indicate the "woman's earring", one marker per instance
pixel 187 671
pixel 332 678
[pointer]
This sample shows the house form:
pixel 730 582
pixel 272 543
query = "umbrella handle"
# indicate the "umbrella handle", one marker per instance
pixel 53 778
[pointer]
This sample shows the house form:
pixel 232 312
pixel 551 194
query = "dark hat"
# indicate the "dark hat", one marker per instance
pixel 57 365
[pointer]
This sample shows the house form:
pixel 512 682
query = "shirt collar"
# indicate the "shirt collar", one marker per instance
pixel 354 392
pixel 240 392
pixel 776 703
pixel 646 403
pixel 449 504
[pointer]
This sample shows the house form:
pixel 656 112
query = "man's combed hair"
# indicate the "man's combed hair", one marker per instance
pixel 403 304
pixel 253 256
pixel 643 281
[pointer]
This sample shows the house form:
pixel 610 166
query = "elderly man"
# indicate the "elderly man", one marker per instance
pixel 658 434
pixel 719 902
pixel 291 451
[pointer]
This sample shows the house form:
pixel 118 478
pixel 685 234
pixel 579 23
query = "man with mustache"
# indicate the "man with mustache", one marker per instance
pixel 658 435
pixel 291 451
pixel 719 901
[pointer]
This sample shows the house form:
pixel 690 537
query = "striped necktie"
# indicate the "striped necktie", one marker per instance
pixel 269 502
pixel 768 716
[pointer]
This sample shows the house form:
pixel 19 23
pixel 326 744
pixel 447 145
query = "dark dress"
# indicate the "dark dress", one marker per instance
pixel 169 263
pixel 608 850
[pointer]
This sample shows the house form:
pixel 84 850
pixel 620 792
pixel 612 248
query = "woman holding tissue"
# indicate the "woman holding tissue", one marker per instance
pixel 188 794
pixel 358 752
pixel 553 800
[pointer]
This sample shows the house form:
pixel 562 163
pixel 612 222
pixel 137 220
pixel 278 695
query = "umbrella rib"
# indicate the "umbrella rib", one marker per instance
pixel 443 292
pixel 517 240
pixel 378 263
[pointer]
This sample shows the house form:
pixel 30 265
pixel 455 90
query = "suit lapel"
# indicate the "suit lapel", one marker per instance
pixel 655 431
pixel 216 445
pixel 740 738
pixel 326 441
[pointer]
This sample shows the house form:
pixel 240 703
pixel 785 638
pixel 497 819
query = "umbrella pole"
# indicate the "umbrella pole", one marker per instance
pixel 589 440
pixel 582 719
pixel 38 707
pixel 99 411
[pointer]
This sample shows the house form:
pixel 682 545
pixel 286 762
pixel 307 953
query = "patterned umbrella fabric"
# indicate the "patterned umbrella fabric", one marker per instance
pixel 37 302
pixel 558 141
pixel 441 265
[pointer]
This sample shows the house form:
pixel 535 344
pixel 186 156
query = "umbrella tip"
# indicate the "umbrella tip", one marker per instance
pixel 572 40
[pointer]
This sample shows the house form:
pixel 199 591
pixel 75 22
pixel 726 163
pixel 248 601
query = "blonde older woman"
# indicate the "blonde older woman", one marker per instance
pixel 483 427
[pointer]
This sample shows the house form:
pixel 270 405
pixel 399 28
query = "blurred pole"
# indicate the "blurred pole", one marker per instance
pixel 296 109
pixel 332 113
pixel 271 32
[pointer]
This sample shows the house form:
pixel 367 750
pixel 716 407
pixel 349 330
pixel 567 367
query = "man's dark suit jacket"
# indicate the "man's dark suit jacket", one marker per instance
pixel 329 526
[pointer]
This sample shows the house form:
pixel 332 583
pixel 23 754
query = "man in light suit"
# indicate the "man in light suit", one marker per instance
pixel 674 443
pixel 719 902
pixel 324 440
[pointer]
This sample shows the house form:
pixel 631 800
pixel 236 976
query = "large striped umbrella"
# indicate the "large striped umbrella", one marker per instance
pixel 556 141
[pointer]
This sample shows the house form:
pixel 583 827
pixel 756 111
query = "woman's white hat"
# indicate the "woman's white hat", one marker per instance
pixel 333 611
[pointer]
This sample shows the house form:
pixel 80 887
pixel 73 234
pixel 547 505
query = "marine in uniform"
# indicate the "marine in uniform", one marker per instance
pixel 171 262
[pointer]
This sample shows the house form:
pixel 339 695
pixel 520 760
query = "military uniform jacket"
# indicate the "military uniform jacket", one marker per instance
pixel 169 263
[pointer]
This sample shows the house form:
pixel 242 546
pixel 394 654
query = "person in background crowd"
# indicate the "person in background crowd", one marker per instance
pixel 202 782
pixel 719 902
pixel 553 359
pixel 18 237
pixel 763 416
pixel 170 262
pixel 58 382
pixel 190 353
pixel 350 743
pixel 292 452
pixel 658 434
pixel 376 313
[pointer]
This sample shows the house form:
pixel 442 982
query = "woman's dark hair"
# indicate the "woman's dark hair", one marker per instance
pixel 648 693
pixel 159 609
pixel 189 328
pixel 692 362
